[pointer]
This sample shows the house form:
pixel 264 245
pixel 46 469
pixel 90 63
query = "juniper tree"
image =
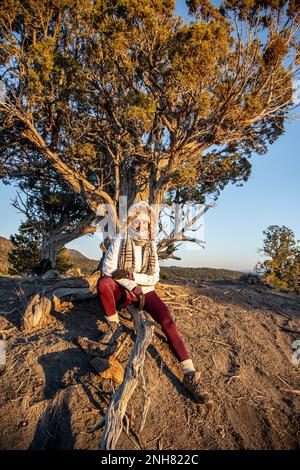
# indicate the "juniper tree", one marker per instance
pixel 281 266
pixel 24 256
pixel 56 212
pixel 127 92
pixel 26 252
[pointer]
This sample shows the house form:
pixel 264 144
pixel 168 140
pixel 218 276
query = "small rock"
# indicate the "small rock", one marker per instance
pixel 108 369
pixel 51 274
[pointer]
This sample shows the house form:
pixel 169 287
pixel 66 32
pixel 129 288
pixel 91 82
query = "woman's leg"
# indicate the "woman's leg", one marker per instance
pixel 161 313
pixel 110 295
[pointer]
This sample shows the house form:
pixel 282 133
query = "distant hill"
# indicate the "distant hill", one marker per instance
pixel 86 265
pixel 5 246
pixel 201 274
pixel 76 258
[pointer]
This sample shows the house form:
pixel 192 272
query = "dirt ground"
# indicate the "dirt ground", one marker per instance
pixel 239 335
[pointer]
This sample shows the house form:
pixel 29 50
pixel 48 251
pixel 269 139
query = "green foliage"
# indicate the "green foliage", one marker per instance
pixel 261 9
pixel 185 176
pixel 62 263
pixel 25 254
pixel 120 96
pixel 50 204
pixel 53 210
pixel 203 8
pixel 282 268
pixel 141 110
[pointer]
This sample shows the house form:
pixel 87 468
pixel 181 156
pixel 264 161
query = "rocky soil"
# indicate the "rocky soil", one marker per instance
pixel 240 336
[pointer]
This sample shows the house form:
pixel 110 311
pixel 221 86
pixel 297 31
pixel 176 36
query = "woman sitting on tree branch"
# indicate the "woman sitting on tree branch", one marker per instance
pixel 129 273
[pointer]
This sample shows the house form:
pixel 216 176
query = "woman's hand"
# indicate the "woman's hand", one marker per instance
pixel 122 274
pixel 140 295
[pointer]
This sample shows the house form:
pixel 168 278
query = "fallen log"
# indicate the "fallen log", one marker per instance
pixel 37 312
pixel 117 408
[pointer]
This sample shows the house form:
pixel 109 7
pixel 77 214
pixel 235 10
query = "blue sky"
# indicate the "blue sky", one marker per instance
pixel 233 229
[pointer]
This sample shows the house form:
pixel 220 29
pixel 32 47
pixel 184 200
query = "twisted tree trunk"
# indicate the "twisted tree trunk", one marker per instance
pixel 53 240
pixel 50 248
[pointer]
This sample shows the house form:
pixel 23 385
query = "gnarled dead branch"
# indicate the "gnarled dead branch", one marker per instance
pixel 117 407
pixel 39 307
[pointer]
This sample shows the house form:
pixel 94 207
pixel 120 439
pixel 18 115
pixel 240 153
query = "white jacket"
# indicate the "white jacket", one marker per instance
pixel 110 264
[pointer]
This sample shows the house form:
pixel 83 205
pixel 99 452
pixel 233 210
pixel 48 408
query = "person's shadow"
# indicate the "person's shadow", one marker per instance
pixel 63 369
pixel 53 430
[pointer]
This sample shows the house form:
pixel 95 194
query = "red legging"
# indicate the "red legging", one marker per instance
pixel 111 295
